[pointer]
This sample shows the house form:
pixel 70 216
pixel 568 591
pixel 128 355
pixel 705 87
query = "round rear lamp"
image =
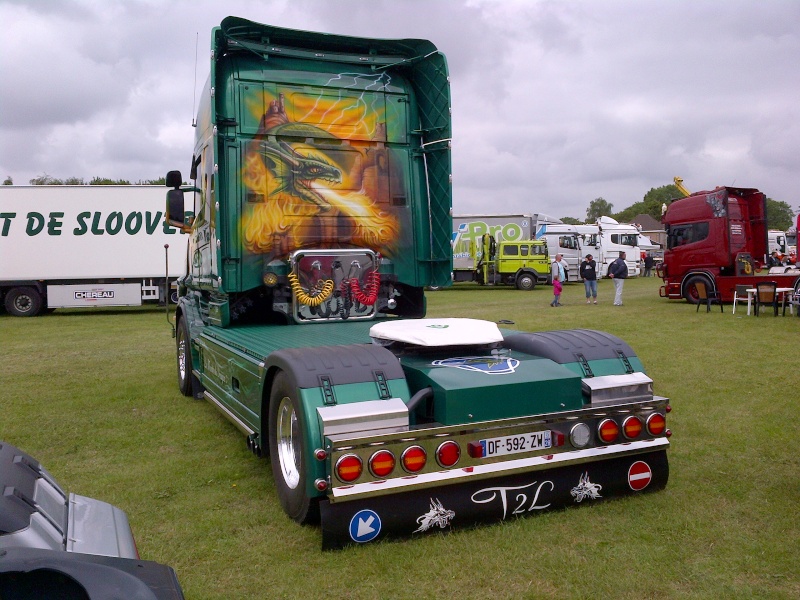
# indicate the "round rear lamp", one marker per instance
pixel 580 435
pixel 632 428
pixel 448 453
pixel 656 424
pixel 381 463
pixel 413 459
pixel 608 431
pixel 348 468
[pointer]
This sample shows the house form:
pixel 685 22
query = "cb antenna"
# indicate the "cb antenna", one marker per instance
pixel 194 91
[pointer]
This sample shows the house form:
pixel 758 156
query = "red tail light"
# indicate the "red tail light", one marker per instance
pixel 475 450
pixel 632 428
pixel 448 454
pixel 381 463
pixel 349 467
pixel 608 431
pixel 656 424
pixel 414 459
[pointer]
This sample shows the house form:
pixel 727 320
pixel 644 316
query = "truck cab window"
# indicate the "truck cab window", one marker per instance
pixel 511 250
pixel 624 239
pixel 680 235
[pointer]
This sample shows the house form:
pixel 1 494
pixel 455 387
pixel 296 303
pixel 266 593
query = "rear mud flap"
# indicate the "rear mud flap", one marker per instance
pixel 423 511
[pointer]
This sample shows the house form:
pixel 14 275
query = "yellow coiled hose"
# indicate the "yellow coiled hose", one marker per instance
pixel 315 298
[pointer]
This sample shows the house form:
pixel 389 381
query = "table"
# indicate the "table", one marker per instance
pixel 781 291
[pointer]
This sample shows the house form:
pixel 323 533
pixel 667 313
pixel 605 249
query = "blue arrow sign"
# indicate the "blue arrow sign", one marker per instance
pixel 365 526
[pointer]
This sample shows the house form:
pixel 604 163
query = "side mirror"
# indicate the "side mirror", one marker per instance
pixel 176 216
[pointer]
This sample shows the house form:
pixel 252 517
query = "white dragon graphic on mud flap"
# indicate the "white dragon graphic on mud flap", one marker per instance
pixel 586 489
pixel 437 515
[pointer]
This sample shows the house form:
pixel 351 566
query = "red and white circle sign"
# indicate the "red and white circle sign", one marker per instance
pixel 639 475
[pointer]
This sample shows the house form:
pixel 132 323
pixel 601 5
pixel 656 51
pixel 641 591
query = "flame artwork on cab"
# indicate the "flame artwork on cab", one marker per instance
pixel 318 174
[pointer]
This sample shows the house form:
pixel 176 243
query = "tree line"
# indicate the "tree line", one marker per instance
pixel 49 180
pixel 780 215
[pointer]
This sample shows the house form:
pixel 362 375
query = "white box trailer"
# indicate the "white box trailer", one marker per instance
pixel 85 245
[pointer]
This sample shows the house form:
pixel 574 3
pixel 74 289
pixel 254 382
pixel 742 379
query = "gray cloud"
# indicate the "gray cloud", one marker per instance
pixel 554 103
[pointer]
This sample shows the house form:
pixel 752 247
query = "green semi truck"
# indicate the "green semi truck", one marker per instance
pixel 320 210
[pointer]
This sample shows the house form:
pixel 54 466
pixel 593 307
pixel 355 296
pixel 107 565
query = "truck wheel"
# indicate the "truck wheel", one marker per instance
pixel 23 302
pixel 286 451
pixel 526 282
pixel 184 354
pixel 690 288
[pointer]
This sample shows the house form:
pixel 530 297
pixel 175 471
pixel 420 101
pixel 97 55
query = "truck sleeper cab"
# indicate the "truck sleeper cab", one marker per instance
pixel 718 238
pixel 322 203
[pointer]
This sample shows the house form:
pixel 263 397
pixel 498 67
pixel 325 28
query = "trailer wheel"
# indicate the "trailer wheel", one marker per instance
pixel 690 288
pixel 526 282
pixel 184 354
pixel 23 302
pixel 286 451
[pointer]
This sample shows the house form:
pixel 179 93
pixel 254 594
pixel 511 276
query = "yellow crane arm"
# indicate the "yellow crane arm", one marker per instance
pixel 679 184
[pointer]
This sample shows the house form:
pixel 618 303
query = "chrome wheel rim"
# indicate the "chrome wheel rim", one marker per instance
pixel 288 435
pixel 182 357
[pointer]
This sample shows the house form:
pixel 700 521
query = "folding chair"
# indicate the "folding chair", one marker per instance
pixel 767 295
pixel 707 297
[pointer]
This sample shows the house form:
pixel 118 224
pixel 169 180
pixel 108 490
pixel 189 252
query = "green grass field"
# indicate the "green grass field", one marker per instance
pixel 93 396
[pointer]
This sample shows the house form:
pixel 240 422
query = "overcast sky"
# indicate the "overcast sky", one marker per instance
pixel 555 103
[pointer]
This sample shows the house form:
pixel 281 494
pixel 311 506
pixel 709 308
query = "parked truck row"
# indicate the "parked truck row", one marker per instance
pixel 321 187
pixel 88 245
pixel 605 240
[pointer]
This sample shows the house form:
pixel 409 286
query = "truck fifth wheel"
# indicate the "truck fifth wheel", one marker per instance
pixel 321 197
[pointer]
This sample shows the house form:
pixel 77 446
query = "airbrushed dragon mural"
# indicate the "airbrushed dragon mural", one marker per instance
pixel 321 179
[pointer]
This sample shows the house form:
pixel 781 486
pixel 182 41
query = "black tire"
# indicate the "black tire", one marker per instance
pixel 526 282
pixel 24 302
pixel 184 358
pixel 690 288
pixel 289 461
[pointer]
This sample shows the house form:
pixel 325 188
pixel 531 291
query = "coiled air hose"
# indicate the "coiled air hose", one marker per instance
pixel 369 294
pixel 315 298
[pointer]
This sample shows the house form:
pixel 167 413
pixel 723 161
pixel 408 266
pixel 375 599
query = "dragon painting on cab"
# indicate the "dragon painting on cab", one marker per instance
pixel 318 175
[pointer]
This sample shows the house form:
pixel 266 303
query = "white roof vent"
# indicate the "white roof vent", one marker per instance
pixel 436 332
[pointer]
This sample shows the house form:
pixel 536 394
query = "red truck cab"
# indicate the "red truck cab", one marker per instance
pixel 719 238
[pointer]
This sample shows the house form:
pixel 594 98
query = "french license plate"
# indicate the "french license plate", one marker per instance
pixel 514 444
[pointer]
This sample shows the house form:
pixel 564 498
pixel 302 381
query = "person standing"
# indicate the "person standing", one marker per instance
pixel 589 276
pixel 648 264
pixel 618 271
pixel 558 275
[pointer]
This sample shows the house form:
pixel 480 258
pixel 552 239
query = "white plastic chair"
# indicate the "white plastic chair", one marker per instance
pixel 739 295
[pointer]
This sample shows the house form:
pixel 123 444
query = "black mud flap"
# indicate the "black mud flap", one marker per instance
pixel 423 511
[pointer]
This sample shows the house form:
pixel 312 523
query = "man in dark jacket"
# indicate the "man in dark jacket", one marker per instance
pixel 618 271
pixel 649 261
pixel 589 276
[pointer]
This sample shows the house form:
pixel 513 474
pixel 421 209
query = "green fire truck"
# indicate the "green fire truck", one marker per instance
pixel 320 200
